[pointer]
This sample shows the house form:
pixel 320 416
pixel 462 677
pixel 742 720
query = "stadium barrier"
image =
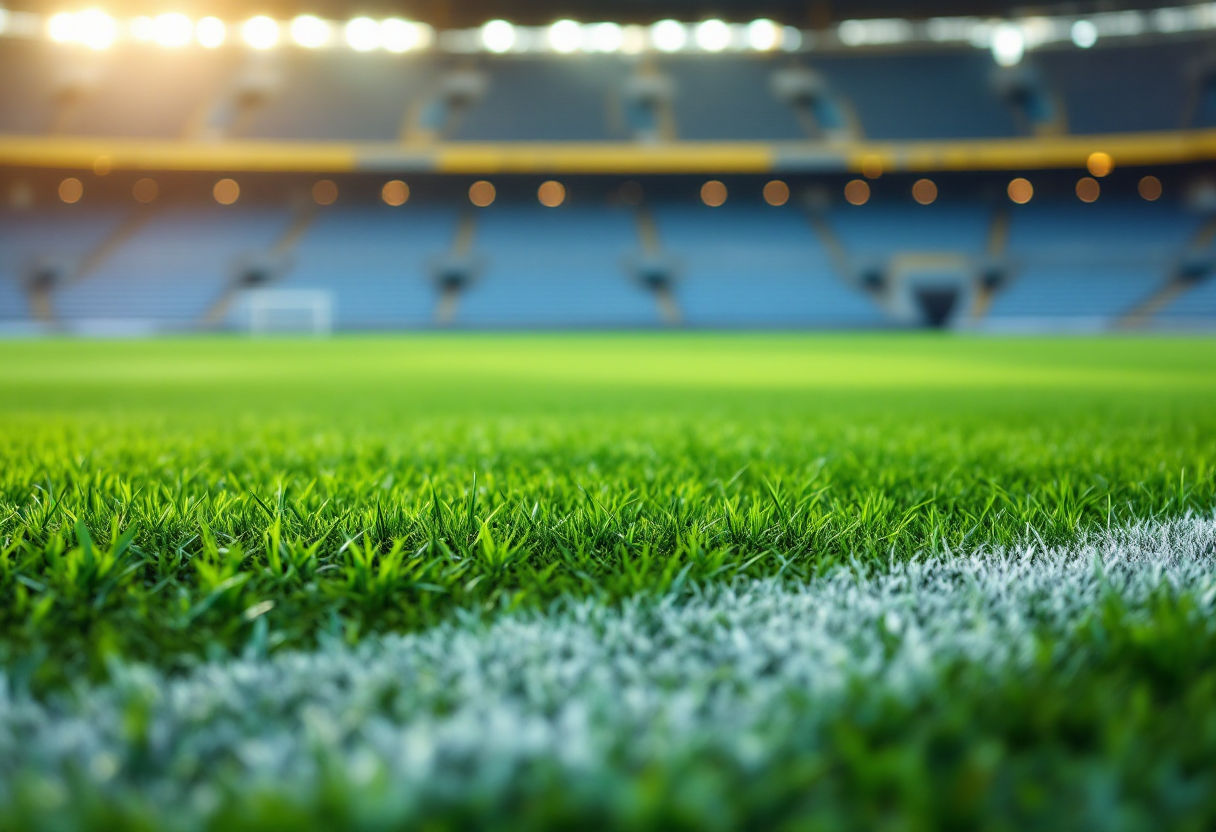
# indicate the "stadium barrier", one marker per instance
pixel 1044 152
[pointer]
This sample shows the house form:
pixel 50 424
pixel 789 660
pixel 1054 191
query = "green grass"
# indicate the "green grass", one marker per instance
pixel 164 501
pixel 173 503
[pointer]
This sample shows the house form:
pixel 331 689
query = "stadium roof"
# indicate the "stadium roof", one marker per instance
pixel 460 13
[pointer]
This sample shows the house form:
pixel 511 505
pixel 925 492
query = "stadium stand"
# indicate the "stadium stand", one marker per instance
pixel 825 119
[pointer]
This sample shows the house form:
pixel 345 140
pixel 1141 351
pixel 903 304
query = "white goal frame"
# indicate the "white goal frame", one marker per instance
pixel 302 310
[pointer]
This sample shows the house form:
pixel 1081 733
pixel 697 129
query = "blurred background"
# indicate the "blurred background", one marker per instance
pixel 193 166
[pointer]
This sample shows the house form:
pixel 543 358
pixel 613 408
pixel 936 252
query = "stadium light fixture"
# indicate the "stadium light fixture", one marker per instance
pixel 1008 44
pixel 857 192
pixel 498 36
pixel 395 193
pixel 92 28
pixel 310 31
pixel 565 36
pixel 668 35
pixel 172 30
pixel 604 37
pixel 96 29
pixel 62 27
pixel 633 40
pixel 1020 191
pixel 763 35
pixel 397 35
pixel 71 190
pixel 1150 188
pixel 261 32
pixel 712 35
pixel 363 34
pixel 211 32
pixel 142 28
pixel 1084 34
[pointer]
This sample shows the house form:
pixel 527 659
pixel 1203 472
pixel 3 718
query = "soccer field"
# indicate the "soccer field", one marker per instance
pixel 644 581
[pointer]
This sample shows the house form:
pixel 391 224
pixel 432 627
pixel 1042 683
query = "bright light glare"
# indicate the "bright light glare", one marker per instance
pixel 763 35
pixel 1008 44
pixel 211 32
pixel 498 36
pixel 397 35
pixel 142 28
pixel 1084 34
pixel 62 27
pixel 94 28
pixel 606 37
pixel 565 36
pixel 668 36
pixel 172 30
pixel 713 35
pixel 363 34
pixel 261 32
pixel 309 31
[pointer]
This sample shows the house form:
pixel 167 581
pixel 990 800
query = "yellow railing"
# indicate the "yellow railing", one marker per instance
pixel 607 157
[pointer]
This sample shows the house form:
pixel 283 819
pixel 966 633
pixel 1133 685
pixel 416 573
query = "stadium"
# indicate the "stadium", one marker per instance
pixel 641 415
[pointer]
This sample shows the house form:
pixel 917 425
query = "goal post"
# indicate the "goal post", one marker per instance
pixel 274 311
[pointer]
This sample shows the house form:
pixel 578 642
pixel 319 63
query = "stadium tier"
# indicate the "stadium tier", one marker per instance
pixel 349 96
pixel 597 261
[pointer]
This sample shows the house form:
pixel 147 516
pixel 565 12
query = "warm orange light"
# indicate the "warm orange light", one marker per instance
pixel 713 193
pixel 1100 164
pixel 1021 191
pixel 1150 188
pixel 871 167
pixel 551 194
pixel 71 190
pixel 325 192
pixel 631 193
pixel 482 194
pixel 395 193
pixel 776 193
pixel 102 165
pixel 1088 189
pixel 924 191
pixel 857 192
pixel 226 191
pixel 145 190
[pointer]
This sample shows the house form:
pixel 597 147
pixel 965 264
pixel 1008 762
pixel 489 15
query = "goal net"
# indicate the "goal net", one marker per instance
pixel 290 311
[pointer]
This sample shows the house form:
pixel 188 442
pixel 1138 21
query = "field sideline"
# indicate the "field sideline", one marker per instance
pixel 180 515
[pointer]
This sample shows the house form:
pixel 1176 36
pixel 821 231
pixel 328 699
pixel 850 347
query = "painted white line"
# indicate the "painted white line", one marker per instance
pixel 463 708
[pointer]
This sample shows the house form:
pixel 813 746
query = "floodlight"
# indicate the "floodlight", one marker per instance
pixel 309 31
pixel 62 27
pixel 143 29
pixel 1084 34
pixel 606 37
pixel 668 36
pixel 363 34
pixel 498 36
pixel 261 32
pixel 713 35
pixel 763 35
pixel 172 30
pixel 633 39
pixel 95 29
pixel 565 36
pixel 397 35
pixel 210 32
pixel 3 20
pixel 1008 44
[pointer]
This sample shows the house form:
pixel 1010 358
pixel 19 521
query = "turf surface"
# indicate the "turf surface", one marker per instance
pixel 173 502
